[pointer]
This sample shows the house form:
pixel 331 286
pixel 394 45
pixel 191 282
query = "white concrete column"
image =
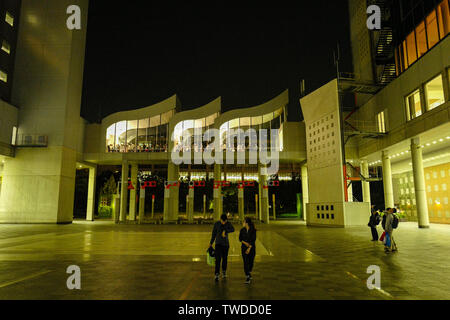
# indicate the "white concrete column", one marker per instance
pixel 141 205
pixel 365 184
pixel 91 194
pixel 134 181
pixel 124 191
pixel 171 194
pixel 305 192
pixel 349 185
pixel 387 181
pixel 419 184
pixel 190 205
pixel 218 206
pixel 241 203
pixel 263 195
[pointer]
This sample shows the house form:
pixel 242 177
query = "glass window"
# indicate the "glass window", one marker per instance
pixel 155 121
pixel 432 29
pixel 413 105
pixel 405 55
pixel 121 134
pixel 110 137
pixel 3 76
pixel 142 135
pixel 444 18
pixel 434 92
pixel 422 47
pixel 131 135
pixel 234 124
pixel 244 123
pixel 268 117
pixel 14 136
pixel 412 50
pixel 381 127
pixel 9 19
pixel 161 145
pixel 256 121
pixel 6 47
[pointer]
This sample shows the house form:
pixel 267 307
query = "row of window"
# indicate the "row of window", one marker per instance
pixel 433 93
pixel 6 47
pixel 145 135
pixel 426 35
pixel 272 120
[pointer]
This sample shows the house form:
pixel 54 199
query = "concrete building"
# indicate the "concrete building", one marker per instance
pixel 397 133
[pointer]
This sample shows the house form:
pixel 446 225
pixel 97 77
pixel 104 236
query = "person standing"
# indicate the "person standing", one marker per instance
pixel 373 222
pixel 390 245
pixel 247 237
pixel 220 236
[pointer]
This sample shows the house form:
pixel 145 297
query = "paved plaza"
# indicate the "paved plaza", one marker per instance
pixel 168 262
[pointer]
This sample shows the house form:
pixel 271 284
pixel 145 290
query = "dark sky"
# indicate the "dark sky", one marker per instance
pixel 139 54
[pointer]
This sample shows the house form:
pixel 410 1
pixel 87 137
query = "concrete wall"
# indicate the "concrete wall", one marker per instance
pixel 38 184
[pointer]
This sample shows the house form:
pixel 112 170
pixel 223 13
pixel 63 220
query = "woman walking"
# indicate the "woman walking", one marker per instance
pixel 247 237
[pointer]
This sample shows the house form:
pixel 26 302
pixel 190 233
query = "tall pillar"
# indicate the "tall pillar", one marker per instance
pixel 305 193
pixel 141 205
pixel 241 204
pixel 124 191
pixel 218 209
pixel 387 181
pixel 263 195
pixel 419 184
pixel 365 184
pixel 171 194
pixel 91 194
pixel 190 205
pixel 134 180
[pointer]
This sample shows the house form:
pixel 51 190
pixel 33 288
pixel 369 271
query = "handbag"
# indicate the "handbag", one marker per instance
pixel 210 259
pixel 383 236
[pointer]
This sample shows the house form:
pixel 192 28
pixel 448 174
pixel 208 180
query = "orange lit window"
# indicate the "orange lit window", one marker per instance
pixel 432 29
pixel 412 50
pixel 421 39
pixel 405 55
pixel 444 18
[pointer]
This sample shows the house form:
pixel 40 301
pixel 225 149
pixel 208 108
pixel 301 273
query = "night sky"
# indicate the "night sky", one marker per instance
pixel 139 54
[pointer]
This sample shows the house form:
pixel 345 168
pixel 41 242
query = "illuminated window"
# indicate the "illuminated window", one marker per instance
pixel 3 76
pixel 14 136
pixel 413 105
pixel 421 39
pixel 121 134
pixel 412 50
pixel 9 19
pixel 444 18
pixel 381 125
pixel 6 47
pixel 110 138
pixel 434 91
pixel 432 29
pixel 131 136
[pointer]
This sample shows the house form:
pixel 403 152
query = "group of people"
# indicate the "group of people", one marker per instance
pixel 140 148
pixel 387 219
pixel 247 237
